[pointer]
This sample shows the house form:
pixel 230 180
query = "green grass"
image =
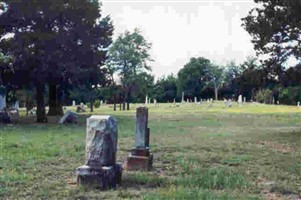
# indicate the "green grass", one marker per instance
pixel 200 152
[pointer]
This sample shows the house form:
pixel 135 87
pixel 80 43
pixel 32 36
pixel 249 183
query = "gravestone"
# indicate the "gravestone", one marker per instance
pixel 245 100
pixel 239 99
pixel 146 100
pixel 69 118
pixel 100 169
pixel 16 105
pixel 195 100
pixel 73 103
pixel 2 102
pixel 174 102
pixel 278 103
pixel 298 103
pixel 140 157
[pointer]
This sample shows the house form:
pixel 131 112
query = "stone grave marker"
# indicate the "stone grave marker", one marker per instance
pixel 183 97
pixel 73 103
pixel 2 101
pixel 146 100
pixel 140 157
pixel 239 99
pixel 298 103
pixel 100 169
pixel 69 118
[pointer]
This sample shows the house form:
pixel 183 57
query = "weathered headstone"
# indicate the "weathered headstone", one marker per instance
pixel 69 118
pixel 245 100
pixel 73 103
pixel 80 108
pixel 239 99
pixel 146 99
pixel 2 101
pixel 174 102
pixel 195 100
pixel 100 169
pixel 278 103
pixel 140 157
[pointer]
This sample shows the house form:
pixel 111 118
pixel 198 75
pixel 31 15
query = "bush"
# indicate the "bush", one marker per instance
pixel 97 103
pixel 290 95
pixel 264 96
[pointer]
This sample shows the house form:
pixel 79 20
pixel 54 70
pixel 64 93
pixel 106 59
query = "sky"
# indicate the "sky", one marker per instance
pixel 179 29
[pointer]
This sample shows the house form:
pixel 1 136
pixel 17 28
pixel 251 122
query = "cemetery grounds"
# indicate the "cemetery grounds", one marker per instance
pixel 248 151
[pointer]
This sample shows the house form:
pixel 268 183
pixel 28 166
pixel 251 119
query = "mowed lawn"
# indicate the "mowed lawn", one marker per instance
pixel 249 151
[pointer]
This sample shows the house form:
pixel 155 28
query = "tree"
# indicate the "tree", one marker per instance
pixel 165 89
pixel 193 77
pixel 215 77
pixel 62 42
pixel 128 56
pixel 275 28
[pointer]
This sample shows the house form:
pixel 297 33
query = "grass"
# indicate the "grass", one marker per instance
pixel 251 151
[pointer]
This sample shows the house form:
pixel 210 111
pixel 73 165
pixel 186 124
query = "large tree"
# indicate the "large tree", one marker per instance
pixel 56 43
pixel 193 77
pixel 129 56
pixel 276 29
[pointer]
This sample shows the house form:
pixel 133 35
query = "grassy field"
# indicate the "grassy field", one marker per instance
pixel 250 151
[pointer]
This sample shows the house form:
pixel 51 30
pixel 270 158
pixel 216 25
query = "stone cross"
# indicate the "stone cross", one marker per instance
pixel 142 131
pixel 100 169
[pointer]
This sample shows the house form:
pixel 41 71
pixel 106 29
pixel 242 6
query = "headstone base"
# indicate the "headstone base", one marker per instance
pixel 104 178
pixel 139 159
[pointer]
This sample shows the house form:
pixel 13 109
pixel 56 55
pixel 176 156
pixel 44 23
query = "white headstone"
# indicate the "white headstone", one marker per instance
pixel 244 99
pixel 298 104
pixel 239 99
pixel 195 100
pixel 73 103
pixel 16 105
pixel 146 99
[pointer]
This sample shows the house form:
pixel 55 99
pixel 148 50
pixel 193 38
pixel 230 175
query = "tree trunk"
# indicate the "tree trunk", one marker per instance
pixel 119 101
pixel 123 103
pixel 41 113
pixel 91 105
pixel 114 102
pixel 216 93
pixel 128 100
pixel 55 105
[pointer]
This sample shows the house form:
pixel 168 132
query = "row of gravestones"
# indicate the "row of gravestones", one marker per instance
pixel 101 169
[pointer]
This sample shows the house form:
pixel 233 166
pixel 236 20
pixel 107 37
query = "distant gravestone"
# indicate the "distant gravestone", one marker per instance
pixel 100 169
pixel 2 102
pixel 140 157
pixel 245 100
pixel 146 100
pixel 174 102
pixel 195 100
pixel 278 103
pixel 69 118
pixel 229 103
pixel 73 103
pixel 16 105
pixel 239 99
pixel 298 104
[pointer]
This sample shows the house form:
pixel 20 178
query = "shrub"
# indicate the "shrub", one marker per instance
pixel 290 95
pixel 97 103
pixel 264 96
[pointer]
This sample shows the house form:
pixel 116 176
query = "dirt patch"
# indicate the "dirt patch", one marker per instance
pixel 276 146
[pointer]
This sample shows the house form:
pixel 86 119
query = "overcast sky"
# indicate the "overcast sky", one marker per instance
pixel 179 30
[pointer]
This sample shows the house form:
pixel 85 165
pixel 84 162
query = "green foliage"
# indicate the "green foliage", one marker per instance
pixel 290 95
pixel 97 103
pixel 264 96
pixel 275 29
